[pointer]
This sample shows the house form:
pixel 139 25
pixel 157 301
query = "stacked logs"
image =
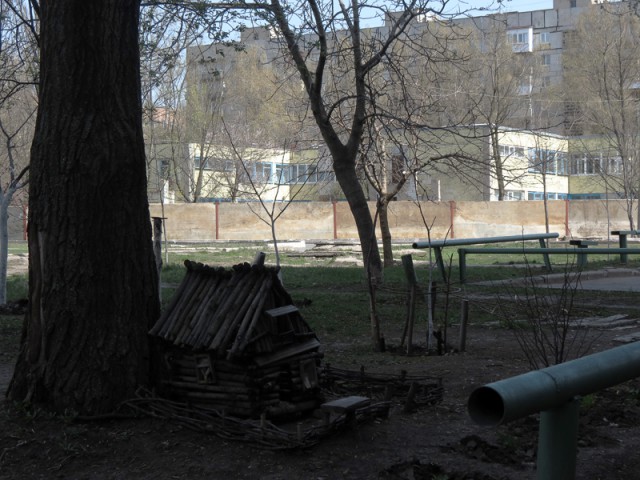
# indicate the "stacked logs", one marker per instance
pixel 233 341
pixel 231 388
pixel 216 309
pixel 243 390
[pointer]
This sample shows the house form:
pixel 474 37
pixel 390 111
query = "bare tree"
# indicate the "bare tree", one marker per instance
pixel 16 135
pixel 603 82
pixel 18 70
pixel 499 91
pixel 336 59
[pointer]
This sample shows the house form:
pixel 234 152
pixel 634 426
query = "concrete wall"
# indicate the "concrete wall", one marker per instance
pixel 594 218
pixel 205 222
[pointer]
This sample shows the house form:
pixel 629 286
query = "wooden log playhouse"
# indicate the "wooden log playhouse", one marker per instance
pixel 232 340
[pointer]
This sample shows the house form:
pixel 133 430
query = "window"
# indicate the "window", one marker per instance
pixel 535 196
pixel 596 163
pixel 548 161
pixel 326 176
pixel 521 39
pixel 164 168
pixel 550 196
pixel 302 173
pixel 590 164
pixel 282 174
pixel 263 172
pixel 614 166
pixel 524 88
pixel 512 195
pixel 545 38
pixel 573 3
pixel 561 164
pixel 511 151
pixel 199 163
pixel 546 59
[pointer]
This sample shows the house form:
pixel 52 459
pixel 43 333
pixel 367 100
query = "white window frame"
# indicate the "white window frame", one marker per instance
pixel 521 39
pixel 545 38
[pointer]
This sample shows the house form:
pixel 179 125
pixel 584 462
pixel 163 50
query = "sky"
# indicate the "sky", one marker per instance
pixel 506 5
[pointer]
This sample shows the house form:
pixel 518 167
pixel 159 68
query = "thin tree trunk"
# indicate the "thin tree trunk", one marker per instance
pixel 497 160
pixel 4 246
pixel 545 200
pixel 92 276
pixel 385 231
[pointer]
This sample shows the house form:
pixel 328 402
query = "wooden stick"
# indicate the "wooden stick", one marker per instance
pixel 464 319
pixel 249 322
pixel 188 283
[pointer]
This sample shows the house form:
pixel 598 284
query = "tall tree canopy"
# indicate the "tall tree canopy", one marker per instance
pixel 92 277
pixel 602 82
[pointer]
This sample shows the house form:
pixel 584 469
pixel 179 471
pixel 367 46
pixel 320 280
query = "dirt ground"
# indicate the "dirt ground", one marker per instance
pixel 438 442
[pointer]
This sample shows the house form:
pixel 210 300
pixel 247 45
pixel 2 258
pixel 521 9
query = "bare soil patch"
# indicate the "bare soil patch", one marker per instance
pixel 432 442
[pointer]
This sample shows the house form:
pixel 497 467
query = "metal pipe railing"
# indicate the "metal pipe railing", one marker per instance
pixel 553 391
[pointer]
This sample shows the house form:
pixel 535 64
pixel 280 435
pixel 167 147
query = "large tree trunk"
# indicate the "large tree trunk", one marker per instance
pixel 92 277
pixel 347 178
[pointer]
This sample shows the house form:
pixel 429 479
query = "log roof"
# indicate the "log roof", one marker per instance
pixel 233 312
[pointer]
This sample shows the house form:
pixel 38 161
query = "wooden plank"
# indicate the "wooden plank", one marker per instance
pixel 583 243
pixel 346 404
pixel 280 311
pixel 289 351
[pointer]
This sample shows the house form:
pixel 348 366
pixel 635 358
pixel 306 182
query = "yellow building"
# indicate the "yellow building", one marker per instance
pixel 470 163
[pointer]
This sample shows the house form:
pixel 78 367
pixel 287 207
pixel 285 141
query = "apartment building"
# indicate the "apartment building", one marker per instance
pixel 545 163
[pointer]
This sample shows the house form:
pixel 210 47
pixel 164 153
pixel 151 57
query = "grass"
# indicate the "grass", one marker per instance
pixel 17 287
pixel 339 307
pixel 18 248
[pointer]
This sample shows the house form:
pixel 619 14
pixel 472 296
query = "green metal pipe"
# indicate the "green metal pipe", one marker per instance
pixel 456 242
pixel 552 387
pixel 557 442
pixel 463 252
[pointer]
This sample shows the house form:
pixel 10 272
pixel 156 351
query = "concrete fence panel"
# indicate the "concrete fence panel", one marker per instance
pixel 406 220
pixel 237 221
pixel 489 219
pixel 205 222
pixel 594 218
pixel 244 221
pixel 187 222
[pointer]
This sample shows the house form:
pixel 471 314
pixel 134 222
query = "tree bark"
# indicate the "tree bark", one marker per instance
pixel 497 160
pixel 347 178
pixel 385 230
pixel 92 277
pixel 4 245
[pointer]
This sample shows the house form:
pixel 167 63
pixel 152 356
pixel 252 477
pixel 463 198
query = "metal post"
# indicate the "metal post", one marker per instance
pixel 622 241
pixel 558 442
pixel 582 258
